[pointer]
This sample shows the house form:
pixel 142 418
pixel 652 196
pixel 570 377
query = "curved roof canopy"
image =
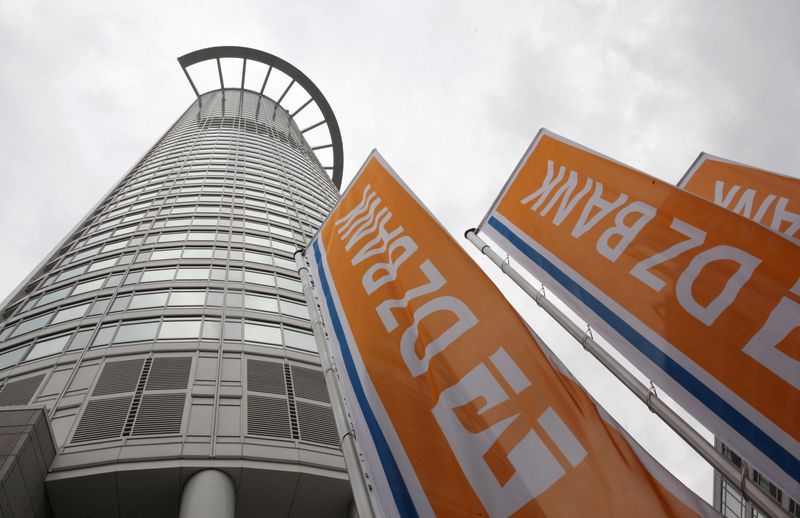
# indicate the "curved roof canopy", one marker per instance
pixel 296 78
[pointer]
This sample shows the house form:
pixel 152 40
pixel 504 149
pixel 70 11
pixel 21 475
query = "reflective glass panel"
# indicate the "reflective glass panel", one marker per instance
pixel 187 298
pixel 104 335
pixel 70 313
pixel 102 264
pixel 158 275
pixel 99 306
pixel 136 332
pixel 260 303
pixel 177 329
pixel 197 253
pixel 193 274
pixel 9 358
pixel 212 329
pixel 81 339
pixel 53 296
pixel 148 300
pixel 159 255
pixel 300 340
pixel 92 285
pixel 294 309
pixel 261 333
pixel 120 303
pixel 265 279
pixel 47 347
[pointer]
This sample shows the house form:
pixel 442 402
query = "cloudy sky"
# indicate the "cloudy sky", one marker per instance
pixel 451 93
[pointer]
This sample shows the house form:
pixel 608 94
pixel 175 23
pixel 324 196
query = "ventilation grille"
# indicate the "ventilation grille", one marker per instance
pixel 287 374
pixel 309 384
pixel 265 377
pixel 102 419
pixel 169 373
pixel 118 377
pixel 20 392
pixel 317 423
pixel 137 397
pixel 159 414
pixel 268 416
pixel 141 411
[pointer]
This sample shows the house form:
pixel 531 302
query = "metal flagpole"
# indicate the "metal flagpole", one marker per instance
pixel 734 475
pixel 352 460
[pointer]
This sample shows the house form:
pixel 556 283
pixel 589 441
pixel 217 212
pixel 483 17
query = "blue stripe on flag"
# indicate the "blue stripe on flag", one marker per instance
pixel 774 451
pixel 397 485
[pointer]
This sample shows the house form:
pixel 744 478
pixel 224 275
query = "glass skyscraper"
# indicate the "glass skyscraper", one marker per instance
pixel 167 336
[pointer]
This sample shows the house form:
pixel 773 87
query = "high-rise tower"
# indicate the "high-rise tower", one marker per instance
pixel 167 336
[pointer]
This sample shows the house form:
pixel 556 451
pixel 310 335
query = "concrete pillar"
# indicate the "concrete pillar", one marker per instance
pixel 208 494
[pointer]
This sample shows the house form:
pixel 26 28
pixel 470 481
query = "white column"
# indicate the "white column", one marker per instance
pixel 208 494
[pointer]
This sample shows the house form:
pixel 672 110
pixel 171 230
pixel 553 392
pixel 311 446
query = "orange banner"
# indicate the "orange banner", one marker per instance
pixel 704 302
pixel 767 198
pixel 457 407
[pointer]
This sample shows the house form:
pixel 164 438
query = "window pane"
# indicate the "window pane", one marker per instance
pixel 260 303
pixel 285 263
pixel 215 298
pixel 171 238
pixel 233 330
pixel 158 255
pixel 9 358
pixel 104 335
pixel 102 264
pixel 92 285
pixel 261 333
pixel 52 296
pixel 120 303
pixel 197 253
pixel 148 300
pixel 47 347
pixel 114 246
pixel 202 236
pixel 294 309
pixel 136 332
pixel 257 258
pixel 233 299
pixel 212 329
pixel 99 306
pixel 264 279
pixel 176 329
pixel 68 274
pixel 300 340
pixel 70 313
pixel 193 273
pixel 283 246
pixel 289 284
pixel 187 298
pixel 31 324
pixel 81 339
pixel 114 279
pixel 158 275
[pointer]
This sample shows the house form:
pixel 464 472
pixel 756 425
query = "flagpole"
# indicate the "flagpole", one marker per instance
pixel 347 441
pixel 724 466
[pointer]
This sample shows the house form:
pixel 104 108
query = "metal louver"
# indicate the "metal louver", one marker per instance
pixel 118 377
pixel 309 384
pixel 159 414
pixel 317 423
pixel 102 419
pixel 20 392
pixel 268 416
pixel 266 377
pixel 169 373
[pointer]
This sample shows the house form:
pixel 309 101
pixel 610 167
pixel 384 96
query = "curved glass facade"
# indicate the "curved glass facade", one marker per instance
pixel 171 323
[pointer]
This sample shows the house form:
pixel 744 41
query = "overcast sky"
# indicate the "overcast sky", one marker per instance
pixel 451 93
